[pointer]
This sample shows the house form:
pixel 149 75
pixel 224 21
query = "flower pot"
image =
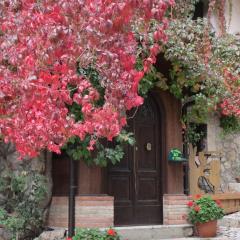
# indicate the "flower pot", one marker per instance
pixel 208 229
pixel 237 179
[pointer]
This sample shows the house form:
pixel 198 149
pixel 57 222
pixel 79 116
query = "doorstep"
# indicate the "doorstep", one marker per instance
pixel 155 232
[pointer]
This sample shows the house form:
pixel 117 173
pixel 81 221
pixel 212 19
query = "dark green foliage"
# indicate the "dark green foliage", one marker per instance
pixel 92 75
pixel 95 234
pixel 108 152
pixel 150 80
pixel 22 214
pixel 192 135
pixel 229 124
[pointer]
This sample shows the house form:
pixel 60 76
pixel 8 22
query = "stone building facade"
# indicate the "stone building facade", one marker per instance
pixel 229 146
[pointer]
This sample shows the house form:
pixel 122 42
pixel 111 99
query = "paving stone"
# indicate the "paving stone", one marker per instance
pixel 57 234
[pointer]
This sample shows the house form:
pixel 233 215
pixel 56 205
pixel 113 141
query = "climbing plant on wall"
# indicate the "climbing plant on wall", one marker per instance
pixel 37 67
pixel 204 65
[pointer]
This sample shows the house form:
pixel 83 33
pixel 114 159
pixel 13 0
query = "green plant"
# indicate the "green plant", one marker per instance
pixel 204 209
pixel 229 124
pixel 150 80
pixel 96 234
pixel 22 214
pixel 193 135
pixel 105 152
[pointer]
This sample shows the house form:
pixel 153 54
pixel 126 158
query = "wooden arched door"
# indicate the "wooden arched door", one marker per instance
pixel 136 182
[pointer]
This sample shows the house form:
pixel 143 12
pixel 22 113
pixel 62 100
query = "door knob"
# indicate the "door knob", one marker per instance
pixel 149 147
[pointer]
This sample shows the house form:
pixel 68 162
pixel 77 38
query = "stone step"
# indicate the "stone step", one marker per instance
pixel 155 232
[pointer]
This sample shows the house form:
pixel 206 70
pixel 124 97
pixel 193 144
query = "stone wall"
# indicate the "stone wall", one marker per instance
pixel 11 165
pixel 231 15
pixel 175 209
pixel 230 148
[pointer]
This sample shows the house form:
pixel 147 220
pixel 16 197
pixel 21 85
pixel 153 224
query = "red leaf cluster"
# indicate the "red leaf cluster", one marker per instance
pixel 40 43
pixel 231 103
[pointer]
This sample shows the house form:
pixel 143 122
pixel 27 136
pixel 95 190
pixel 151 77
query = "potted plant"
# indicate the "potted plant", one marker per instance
pixel 204 213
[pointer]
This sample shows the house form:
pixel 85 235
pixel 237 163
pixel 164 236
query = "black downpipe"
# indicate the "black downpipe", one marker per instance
pixel 186 154
pixel 71 200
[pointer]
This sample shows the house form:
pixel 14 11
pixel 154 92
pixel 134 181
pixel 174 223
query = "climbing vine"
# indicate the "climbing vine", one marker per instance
pixel 204 64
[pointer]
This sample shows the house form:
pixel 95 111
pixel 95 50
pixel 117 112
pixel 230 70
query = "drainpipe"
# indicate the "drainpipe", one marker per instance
pixel 71 200
pixel 185 105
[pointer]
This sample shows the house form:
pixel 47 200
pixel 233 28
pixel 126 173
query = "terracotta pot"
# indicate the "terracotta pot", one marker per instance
pixel 208 229
pixel 237 179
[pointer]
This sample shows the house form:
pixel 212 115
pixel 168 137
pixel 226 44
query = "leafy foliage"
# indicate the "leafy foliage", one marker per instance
pixel 82 149
pixel 193 135
pixel 103 153
pixel 204 209
pixel 205 68
pixel 43 43
pixel 229 124
pixel 184 9
pixel 22 214
pixel 96 234
pixel 150 80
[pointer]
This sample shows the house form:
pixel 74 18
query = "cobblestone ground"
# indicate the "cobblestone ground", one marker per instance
pixel 230 233
pixel 223 234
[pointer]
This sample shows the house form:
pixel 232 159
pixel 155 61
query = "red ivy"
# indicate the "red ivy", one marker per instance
pixel 231 103
pixel 40 43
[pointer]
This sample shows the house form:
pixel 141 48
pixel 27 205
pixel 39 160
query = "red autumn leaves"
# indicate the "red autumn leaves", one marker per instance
pixel 230 104
pixel 41 42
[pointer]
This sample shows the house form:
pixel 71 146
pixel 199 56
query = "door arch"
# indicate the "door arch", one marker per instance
pixel 136 182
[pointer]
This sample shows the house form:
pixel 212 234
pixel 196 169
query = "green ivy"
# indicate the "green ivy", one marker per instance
pixel 229 124
pixel 192 135
pixel 150 80
pixel 184 9
pixel 108 152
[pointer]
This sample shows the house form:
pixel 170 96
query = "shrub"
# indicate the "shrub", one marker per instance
pixel 22 214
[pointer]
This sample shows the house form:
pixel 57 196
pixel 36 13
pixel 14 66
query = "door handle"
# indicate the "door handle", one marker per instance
pixel 149 147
